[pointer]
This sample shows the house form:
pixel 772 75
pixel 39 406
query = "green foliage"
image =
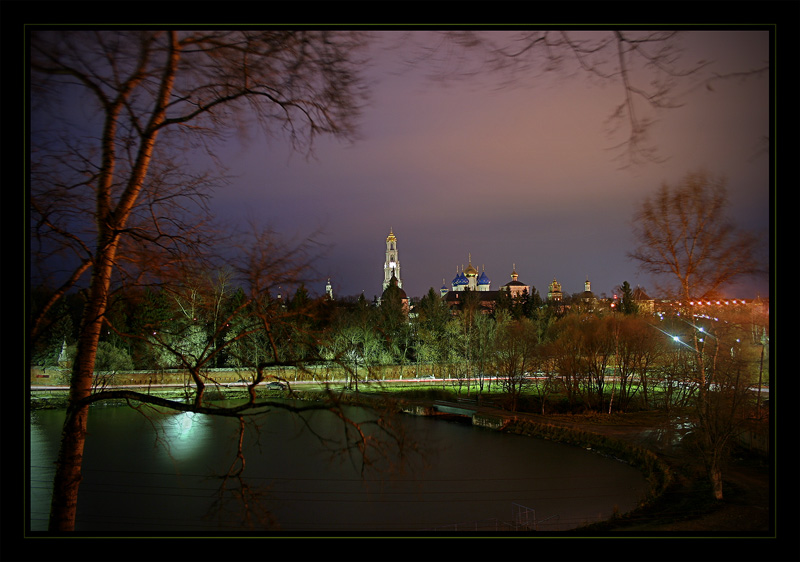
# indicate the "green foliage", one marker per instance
pixel 627 305
pixel 58 326
pixel 585 362
pixel 111 358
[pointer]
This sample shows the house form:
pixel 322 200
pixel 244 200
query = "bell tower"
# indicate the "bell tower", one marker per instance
pixel 391 267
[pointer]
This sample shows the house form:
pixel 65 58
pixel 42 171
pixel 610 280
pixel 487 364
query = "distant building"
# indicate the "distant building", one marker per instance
pixel 554 292
pixel 587 296
pixel 697 306
pixel 515 286
pixel 393 291
pixel 643 302
pixel 391 267
pixel 469 280
pixel 392 284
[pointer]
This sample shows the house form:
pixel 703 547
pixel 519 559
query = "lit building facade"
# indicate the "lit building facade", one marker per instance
pixel 391 266
pixel 470 280
pixel 554 292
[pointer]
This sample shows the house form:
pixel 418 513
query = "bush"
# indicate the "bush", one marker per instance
pixel 111 358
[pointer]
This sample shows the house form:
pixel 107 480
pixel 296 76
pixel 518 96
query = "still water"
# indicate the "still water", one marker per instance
pixel 161 473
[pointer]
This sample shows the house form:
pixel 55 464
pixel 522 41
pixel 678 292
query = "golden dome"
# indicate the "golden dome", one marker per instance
pixel 470 271
pixel 391 237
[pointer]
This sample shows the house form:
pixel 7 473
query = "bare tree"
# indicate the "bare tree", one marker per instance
pixel 684 236
pixel 517 357
pixel 148 97
pixel 598 335
pixel 727 406
pixel 647 68
pixel 636 350
pixel 566 350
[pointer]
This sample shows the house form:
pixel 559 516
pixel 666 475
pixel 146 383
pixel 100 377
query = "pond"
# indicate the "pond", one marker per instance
pixel 161 474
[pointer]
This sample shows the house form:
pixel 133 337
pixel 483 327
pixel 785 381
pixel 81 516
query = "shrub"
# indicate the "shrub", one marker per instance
pixel 111 358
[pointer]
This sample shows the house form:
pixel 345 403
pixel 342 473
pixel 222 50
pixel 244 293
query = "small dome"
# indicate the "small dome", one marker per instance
pixel 483 279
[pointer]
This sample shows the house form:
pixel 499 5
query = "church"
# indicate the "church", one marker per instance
pixel 392 283
pixel 470 280
pixel 391 267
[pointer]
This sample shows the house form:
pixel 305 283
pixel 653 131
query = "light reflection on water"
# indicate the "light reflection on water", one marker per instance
pixel 187 433
pixel 160 473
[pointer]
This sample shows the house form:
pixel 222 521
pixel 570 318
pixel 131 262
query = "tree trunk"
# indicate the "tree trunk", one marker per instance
pixel 715 476
pixel 110 222
pixel 73 437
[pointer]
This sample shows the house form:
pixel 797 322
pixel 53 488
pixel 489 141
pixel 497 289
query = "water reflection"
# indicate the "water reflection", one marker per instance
pixel 161 473
pixel 187 433
pixel 44 432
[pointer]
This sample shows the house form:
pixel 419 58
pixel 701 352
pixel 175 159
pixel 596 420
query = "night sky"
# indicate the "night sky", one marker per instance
pixel 514 176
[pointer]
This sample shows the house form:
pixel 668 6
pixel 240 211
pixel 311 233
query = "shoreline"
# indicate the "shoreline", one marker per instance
pixel 637 437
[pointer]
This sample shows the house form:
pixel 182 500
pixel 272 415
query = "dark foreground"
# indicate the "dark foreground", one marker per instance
pixel 746 510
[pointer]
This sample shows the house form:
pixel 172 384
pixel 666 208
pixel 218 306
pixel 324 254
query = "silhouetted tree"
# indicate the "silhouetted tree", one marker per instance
pixel 114 186
pixel 626 303
pixel 684 236
pixel 646 68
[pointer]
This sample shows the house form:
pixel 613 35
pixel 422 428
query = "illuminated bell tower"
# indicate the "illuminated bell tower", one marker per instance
pixel 391 266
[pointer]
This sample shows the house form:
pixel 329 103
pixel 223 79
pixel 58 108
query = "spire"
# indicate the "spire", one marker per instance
pixel 391 267
pixel 470 271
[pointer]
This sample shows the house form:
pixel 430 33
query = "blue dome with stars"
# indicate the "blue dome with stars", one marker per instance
pixel 460 279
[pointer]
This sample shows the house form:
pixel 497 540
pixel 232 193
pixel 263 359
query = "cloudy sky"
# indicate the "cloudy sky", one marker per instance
pixel 514 176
